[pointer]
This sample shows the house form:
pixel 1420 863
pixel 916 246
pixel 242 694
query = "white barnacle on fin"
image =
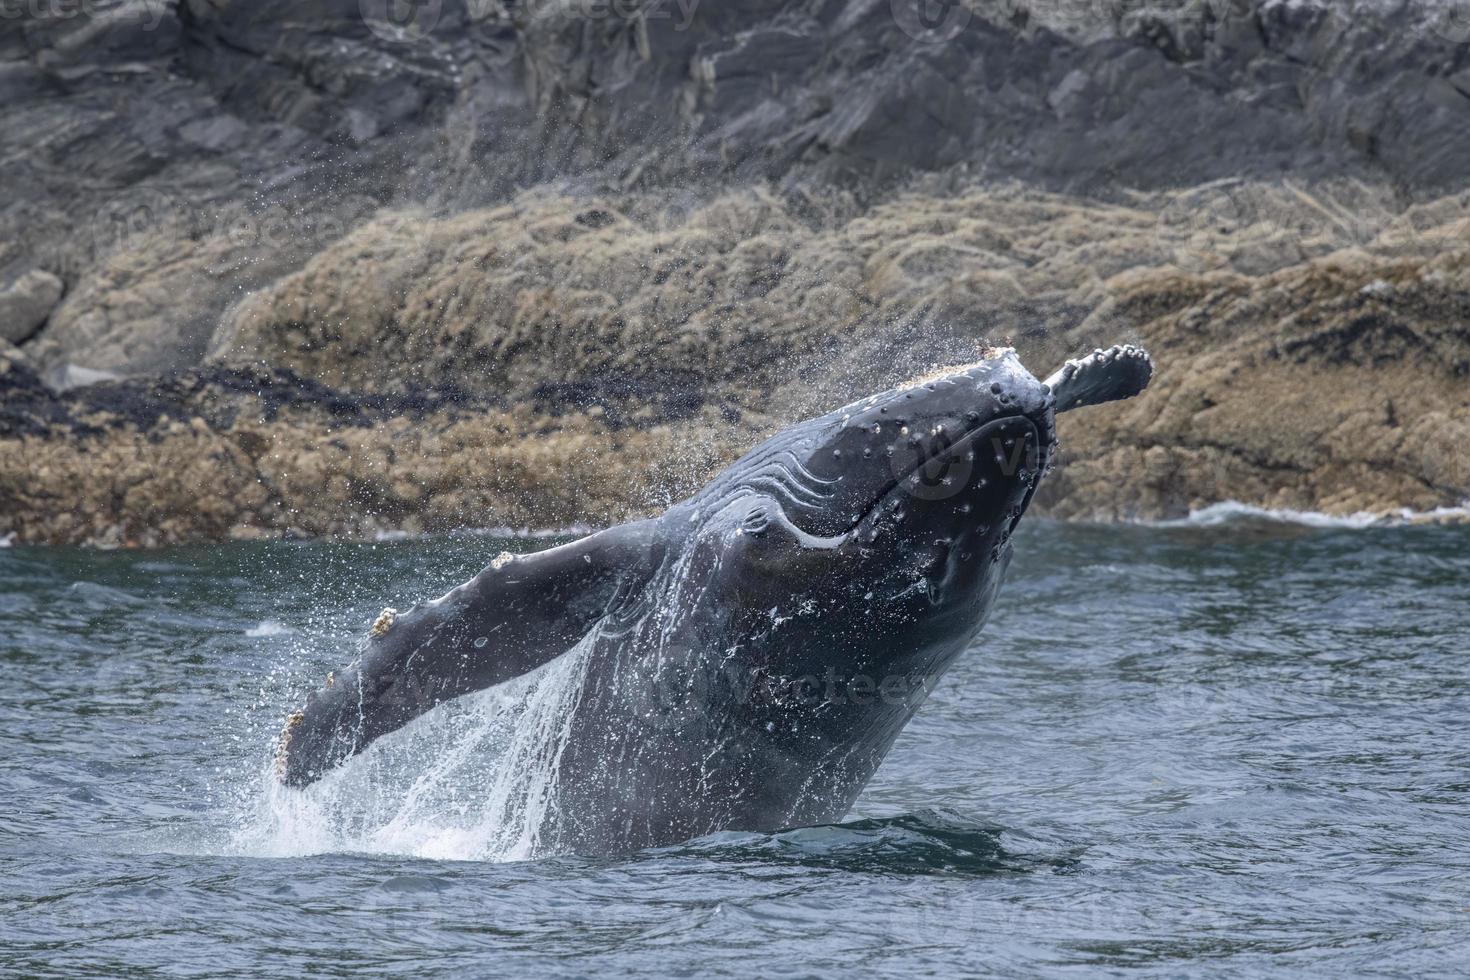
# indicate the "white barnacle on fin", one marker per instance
pixel 384 622
pixel 502 559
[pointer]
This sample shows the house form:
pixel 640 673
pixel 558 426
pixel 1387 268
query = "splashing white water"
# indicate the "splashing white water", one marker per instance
pixel 474 779
pixel 268 627
pixel 1231 511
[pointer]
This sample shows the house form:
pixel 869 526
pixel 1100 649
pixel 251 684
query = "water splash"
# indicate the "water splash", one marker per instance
pixel 1231 512
pixel 474 779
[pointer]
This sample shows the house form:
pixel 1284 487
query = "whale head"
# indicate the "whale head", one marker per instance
pixel 885 526
pixel 913 491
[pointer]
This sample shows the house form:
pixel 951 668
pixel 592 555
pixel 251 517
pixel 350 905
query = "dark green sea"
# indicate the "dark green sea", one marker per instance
pixel 1197 750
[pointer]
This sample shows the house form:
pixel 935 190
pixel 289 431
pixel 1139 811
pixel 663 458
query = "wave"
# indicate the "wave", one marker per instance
pixel 934 842
pixel 1234 512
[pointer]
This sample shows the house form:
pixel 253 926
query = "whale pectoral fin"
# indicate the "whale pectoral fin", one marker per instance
pixel 1102 376
pixel 517 614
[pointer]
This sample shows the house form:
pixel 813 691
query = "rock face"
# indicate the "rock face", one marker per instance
pixel 225 454
pixel 26 303
pixel 595 229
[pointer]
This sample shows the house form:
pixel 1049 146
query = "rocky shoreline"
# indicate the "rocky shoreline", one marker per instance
pixel 1337 380
pixel 459 308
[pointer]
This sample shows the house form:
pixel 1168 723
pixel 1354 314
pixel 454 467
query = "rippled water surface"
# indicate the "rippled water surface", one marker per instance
pixel 1176 751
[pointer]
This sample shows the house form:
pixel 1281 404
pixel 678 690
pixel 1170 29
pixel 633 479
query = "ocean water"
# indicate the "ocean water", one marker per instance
pixel 1233 746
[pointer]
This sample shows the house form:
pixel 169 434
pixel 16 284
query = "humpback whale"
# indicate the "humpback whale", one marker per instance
pixel 751 654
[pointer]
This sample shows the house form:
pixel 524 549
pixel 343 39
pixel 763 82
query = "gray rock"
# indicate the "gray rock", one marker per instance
pixel 226 107
pixel 26 303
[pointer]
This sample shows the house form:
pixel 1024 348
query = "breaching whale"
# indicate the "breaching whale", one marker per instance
pixel 753 652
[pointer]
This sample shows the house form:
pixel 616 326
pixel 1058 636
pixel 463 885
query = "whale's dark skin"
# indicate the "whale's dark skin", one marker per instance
pixel 753 653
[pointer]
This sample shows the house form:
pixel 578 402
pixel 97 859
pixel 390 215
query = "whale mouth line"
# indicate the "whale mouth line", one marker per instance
pixel 964 442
